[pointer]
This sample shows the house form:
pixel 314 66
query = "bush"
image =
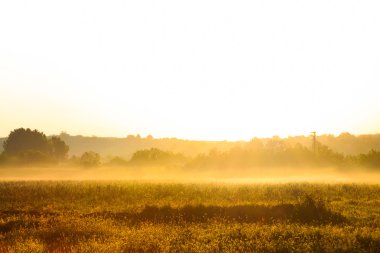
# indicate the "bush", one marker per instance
pixel 89 159
pixel 117 161
pixel 156 156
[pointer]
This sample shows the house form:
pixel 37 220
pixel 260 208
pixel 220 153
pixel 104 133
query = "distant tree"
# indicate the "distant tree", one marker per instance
pixel 22 140
pixel 275 144
pixel 328 156
pixel 90 159
pixel 59 149
pixel 256 144
pixel 155 156
pixel 117 161
pixel 130 137
pixel 371 159
pixel 346 137
pixel 150 155
pixel 26 145
pixel 64 135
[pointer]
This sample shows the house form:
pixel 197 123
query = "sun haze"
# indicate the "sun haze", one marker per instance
pixel 190 69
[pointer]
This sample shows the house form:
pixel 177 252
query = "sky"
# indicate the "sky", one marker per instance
pixel 200 69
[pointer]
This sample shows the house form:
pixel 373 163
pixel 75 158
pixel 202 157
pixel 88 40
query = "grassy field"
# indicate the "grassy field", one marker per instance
pixel 135 216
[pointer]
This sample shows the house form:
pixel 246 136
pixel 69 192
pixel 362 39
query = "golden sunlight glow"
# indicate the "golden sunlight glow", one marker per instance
pixel 195 70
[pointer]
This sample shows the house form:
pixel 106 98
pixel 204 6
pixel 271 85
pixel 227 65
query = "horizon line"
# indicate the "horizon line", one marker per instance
pixel 147 136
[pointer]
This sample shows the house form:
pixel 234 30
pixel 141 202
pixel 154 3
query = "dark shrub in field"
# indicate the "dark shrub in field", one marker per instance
pixel 308 211
pixel 312 210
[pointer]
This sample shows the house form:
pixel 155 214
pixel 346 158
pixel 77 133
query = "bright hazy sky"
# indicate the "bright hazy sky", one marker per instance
pixel 196 69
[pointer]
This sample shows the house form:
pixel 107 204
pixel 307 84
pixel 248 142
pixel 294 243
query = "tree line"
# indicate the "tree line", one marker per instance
pixel 26 146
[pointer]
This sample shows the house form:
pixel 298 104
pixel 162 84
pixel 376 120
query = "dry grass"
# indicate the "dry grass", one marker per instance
pixel 172 217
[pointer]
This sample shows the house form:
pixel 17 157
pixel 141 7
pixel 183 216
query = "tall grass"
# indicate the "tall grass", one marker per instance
pixel 70 216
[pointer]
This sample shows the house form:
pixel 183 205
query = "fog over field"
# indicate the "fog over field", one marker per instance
pixel 189 126
pixel 164 174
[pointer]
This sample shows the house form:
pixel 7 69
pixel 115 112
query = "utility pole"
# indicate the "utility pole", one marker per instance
pixel 314 136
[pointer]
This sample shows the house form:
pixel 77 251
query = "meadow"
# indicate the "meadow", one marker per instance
pixel 143 216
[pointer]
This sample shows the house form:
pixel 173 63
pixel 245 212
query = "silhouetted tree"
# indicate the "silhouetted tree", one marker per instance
pixel 372 159
pixel 59 149
pixel 25 145
pixel 156 156
pixel 328 156
pixel 90 159
pixel 22 140
pixel 152 154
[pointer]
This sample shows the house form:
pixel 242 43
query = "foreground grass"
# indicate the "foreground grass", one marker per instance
pixel 172 217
